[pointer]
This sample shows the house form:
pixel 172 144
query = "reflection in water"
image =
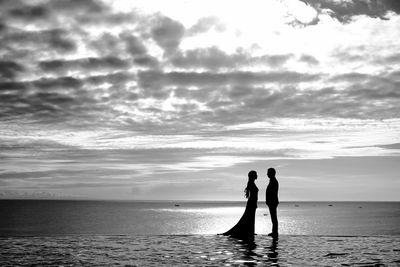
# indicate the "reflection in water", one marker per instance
pixel 244 250
pixel 250 254
pixel 272 251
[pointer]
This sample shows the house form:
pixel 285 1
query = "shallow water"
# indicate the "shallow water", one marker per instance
pixel 199 250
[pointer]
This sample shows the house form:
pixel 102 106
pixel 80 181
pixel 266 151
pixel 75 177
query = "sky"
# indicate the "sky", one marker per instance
pixel 180 99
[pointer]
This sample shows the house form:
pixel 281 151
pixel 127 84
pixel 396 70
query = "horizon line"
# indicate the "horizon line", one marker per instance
pixel 193 200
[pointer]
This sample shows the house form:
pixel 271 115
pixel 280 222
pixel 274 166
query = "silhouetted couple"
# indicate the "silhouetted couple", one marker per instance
pixel 244 229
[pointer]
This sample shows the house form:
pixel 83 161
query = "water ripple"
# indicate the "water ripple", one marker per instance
pixel 198 250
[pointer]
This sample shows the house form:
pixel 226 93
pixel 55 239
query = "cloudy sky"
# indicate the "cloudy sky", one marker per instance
pixel 179 99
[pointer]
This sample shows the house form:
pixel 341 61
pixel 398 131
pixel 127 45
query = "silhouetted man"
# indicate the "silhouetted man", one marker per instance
pixel 271 199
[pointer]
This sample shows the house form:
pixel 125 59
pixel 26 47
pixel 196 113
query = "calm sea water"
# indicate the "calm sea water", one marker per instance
pixel 56 217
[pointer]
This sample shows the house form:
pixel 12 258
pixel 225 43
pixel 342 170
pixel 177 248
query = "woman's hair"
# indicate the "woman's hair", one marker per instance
pixel 252 175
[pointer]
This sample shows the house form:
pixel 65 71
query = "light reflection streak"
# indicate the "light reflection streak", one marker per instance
pixel 217 220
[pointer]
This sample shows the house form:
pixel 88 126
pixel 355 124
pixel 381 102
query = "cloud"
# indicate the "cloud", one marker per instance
pixel 309 59
pixel 134 46
pixel 389 60
pixel 22 194
pixel 147 61
pixel 29 12
pixel 68 166
pixel 204 25
pixel 213 58
pixel 115 78
pixel 391 146
pixel 24 10
pixel 354 54
pixel 303 13
pixel 153 79
pixel 366 97
pixel 209 58
pixel 367 88
pixel 10 69
pixel 54 39
pixel 85 64
pixel 88 6
pixel 167 33
pixel 58 40
pixel 44 98
pixel 344 10
pixel 126 76
pixel 104 93
pixel 61 82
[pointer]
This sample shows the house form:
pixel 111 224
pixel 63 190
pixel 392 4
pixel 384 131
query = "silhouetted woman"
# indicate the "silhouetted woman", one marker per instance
pixel 244 229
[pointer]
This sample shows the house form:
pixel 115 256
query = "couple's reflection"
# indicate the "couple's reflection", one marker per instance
pixel 251 254
pixel 248 255
pixel 272 252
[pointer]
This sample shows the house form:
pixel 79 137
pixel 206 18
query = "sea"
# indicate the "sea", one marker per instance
pixel 184 233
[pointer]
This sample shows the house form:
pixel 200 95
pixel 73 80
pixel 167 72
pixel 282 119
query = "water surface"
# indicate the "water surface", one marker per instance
pixel 56 217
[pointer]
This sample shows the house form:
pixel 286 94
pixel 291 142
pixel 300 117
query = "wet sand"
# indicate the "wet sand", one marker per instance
pixel 199 250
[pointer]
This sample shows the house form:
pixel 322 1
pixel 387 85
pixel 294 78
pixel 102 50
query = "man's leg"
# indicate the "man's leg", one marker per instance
pixel 274 218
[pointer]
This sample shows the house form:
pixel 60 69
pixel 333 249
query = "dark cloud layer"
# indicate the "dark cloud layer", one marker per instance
pixel 214 58
pixel 46 98
pixel 29 12
pixel 42 77
pixel 57 40
pixel 9 69
pixel 344 11
pixel 86 64
pixel 45 9
pixel 153 79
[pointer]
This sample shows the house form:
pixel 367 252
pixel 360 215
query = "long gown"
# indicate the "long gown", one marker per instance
pixel 244 229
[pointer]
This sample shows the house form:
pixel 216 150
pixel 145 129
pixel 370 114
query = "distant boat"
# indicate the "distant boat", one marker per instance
pixel 177 205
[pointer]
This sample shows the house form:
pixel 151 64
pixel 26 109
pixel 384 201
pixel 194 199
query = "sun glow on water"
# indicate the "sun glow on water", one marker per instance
pixel 211 211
